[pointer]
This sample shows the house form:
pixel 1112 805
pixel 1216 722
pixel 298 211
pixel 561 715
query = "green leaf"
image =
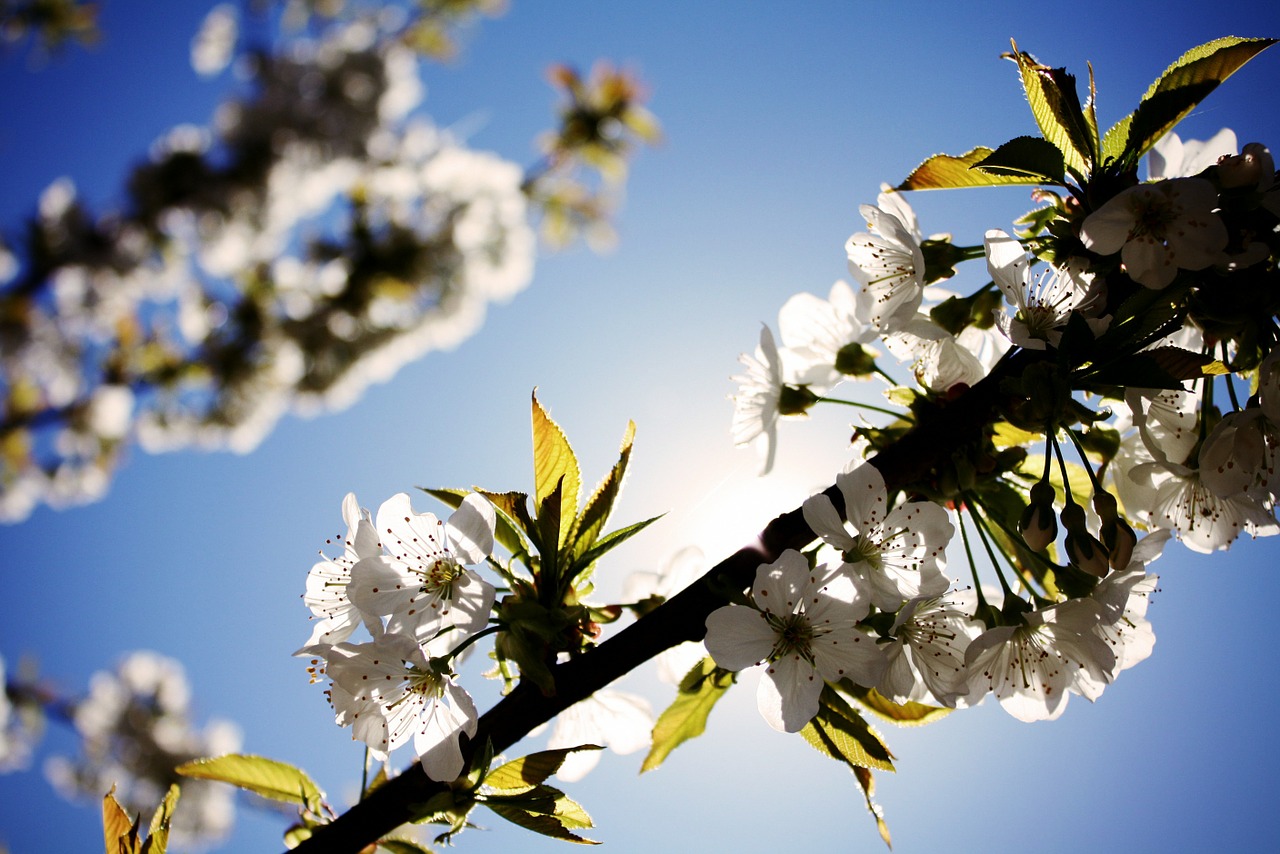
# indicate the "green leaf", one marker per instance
pixel 544 810
pixel 1028 156
pixel 904 714
pixel 158 835
pixel 1051 92
pixel 512 512
pixel 686 717
pixel 1177 91
pixel 596 512
pixel 119 834
pixel 868 785
pixel 278 781
pixel 608 542
pixel 949 172
pixel 554 465
pixel 1163 367
pixel 529 771
pixel 839 731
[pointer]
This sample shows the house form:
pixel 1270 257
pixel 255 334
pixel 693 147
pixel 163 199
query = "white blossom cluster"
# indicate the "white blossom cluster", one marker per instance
pixel 313 242
pixel 880 612
pixel 410 580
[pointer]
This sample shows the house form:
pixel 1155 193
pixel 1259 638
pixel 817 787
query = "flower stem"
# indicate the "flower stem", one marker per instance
pixel 869 406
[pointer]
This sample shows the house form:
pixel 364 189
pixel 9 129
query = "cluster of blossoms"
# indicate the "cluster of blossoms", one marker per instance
pixel 135 729
pixel 317 240
pixel 1112 317
pixel 411 581
pixel 321 235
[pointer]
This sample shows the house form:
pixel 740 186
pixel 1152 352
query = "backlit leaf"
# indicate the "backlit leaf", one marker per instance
pixel 948 172
pixel 1051 92
pixel 554 464
pixel 839 731
pixel 904 714
pixel 595 513
pixel 278 781
pixel 120 835
pixel 528 771
pixel 158 835
pixel 686 717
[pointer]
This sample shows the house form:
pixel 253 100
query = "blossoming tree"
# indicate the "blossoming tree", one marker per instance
pixel 1112 388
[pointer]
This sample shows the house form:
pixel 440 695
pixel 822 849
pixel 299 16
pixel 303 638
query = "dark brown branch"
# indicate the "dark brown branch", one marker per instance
pixel 937 433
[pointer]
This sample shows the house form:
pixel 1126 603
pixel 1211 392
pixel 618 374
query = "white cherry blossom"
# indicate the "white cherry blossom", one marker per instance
pixel 888 262
pixel 1159 229
pixel 421 584
pixel 1042 303
pixel 614 719
pixel 803 627
pixel 895 554
pixel 815 331
pixel 391 694
pixel 927 656
pixel 1030 667
pixel 755 406
pixel 1173 157
pixel 335 614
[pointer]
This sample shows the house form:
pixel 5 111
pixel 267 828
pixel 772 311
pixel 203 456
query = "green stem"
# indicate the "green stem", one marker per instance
pixel 991 555
pixel 869 406
pixel 973 567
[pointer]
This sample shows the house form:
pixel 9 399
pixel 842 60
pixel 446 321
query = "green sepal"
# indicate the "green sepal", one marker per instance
pixel 686 717
pixel 1026 156
pixel 277 781
pixel 1177 91
pixel 529 771
pixel 950 172
pixel 900 714
pixel 840 732
pixel 1051 92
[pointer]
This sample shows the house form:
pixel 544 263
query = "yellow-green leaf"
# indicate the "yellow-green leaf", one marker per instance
pixel 278 781
pixel 1051 92
pixel 554 463
pixel 529 771
pixel 901 714
pixel 840 732
pixel 867 782
pixel 595 513
pixel 158 836
pixel 119 834
pixel 1177 91
pixel 686 718
pixel 949 172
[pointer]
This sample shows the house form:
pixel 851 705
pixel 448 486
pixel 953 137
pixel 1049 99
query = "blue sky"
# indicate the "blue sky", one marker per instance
pixel 779 121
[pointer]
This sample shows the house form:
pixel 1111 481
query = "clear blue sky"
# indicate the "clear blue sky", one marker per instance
pixel 780 120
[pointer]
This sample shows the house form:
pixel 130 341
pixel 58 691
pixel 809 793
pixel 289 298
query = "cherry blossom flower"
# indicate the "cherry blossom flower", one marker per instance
pixel 337 616
pixel 421 584
pixel 942 361
pixel 888 262
pixel 755 406
pixel 1172 157
pixel 390 693
pixel 895 554
pixel 617 720
pixel 1043 303
pixel 1159 229
pixel 823 339
pixel 1029 667
pixel 803 627
pixel 926 658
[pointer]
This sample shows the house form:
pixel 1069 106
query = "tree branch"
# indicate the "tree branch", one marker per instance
pixel 939 430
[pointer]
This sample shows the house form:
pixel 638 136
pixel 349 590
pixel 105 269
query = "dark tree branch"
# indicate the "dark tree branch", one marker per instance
pixel 939 430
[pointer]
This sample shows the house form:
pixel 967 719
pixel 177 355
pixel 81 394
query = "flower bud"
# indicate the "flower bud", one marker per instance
pixel 1083 549
pixel 1119 539
pixel 1038 525
pixel 1253 167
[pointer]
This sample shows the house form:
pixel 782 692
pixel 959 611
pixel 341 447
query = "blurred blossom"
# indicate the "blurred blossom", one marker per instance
pixel 313 243
pixel 135 725
pixel 214 44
